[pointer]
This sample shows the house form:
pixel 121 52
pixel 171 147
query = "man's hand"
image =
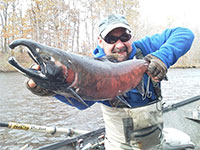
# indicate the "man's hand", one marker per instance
pixel 157 69
pixel 31 85
pixel 30 82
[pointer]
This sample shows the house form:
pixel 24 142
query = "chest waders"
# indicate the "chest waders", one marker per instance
pixel 133 128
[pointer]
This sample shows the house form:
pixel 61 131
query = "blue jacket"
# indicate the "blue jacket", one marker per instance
pixel 168 46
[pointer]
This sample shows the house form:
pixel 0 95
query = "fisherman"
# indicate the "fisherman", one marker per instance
pixel 138 125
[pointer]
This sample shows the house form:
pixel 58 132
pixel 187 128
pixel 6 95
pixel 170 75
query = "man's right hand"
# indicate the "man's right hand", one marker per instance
pixel 31 85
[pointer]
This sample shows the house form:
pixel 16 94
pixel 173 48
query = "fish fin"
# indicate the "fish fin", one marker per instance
pixel 123 100
pixel 70 101
pixel 78 97
pixel 67 95
pixel 101 59
pixel 111 58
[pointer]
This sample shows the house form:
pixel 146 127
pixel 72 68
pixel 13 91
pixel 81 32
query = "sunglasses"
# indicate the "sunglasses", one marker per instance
pixel 110 39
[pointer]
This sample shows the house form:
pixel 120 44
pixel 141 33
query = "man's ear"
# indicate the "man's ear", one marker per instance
pixel 100 42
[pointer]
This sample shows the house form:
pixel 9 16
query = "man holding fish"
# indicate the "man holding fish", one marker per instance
pixel 133 120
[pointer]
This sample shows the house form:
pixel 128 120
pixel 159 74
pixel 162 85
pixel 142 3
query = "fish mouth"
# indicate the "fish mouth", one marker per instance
pixel 34 50
pixel 32 46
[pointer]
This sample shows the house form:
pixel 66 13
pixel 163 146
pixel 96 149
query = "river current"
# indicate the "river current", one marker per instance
pixel 17 104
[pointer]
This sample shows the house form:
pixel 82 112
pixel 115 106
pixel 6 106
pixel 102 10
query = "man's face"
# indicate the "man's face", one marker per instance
pixel 119 49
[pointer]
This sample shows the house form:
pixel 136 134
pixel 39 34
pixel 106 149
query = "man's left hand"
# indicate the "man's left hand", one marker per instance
pixel 157 69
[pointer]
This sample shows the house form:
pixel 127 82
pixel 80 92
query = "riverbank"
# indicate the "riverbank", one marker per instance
pixel 22 58
pixel 25 60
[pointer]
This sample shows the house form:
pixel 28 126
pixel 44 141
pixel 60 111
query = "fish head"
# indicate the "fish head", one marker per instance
pixel 52 69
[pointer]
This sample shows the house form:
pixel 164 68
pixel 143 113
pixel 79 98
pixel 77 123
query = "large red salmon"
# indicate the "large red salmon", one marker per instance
pixel 82 76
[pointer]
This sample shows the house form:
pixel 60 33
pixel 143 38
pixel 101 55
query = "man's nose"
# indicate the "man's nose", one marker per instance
pixel 119 44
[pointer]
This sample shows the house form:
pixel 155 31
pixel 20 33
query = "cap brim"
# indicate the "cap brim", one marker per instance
pixel 114 26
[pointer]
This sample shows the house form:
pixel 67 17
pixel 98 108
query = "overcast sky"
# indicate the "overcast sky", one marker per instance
pixel 182 11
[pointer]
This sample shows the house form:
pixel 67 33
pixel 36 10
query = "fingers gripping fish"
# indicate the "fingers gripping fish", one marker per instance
pixel 84 77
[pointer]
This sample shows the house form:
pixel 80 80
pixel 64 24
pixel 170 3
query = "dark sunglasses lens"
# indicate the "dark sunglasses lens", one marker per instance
pixel 111 39
pixel 125 37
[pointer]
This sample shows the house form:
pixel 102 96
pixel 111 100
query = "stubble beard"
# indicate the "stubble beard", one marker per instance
pixel 122 54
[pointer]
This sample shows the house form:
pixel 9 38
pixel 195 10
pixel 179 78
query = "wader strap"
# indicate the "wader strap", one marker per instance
pixel 157 89
pixel 128 128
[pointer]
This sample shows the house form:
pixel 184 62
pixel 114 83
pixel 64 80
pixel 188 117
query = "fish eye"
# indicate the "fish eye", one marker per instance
pixel 46 58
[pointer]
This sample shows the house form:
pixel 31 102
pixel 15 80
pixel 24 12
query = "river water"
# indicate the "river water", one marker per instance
pixel 17 104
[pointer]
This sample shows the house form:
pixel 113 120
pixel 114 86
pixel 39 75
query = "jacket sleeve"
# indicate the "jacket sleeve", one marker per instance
pixel 168 46
pixel 73 102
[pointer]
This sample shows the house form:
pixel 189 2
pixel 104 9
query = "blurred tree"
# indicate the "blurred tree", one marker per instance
pixel 4 6
pixel 71 25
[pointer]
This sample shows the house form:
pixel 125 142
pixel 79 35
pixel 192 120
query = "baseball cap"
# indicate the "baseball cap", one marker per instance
pixel 112 22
